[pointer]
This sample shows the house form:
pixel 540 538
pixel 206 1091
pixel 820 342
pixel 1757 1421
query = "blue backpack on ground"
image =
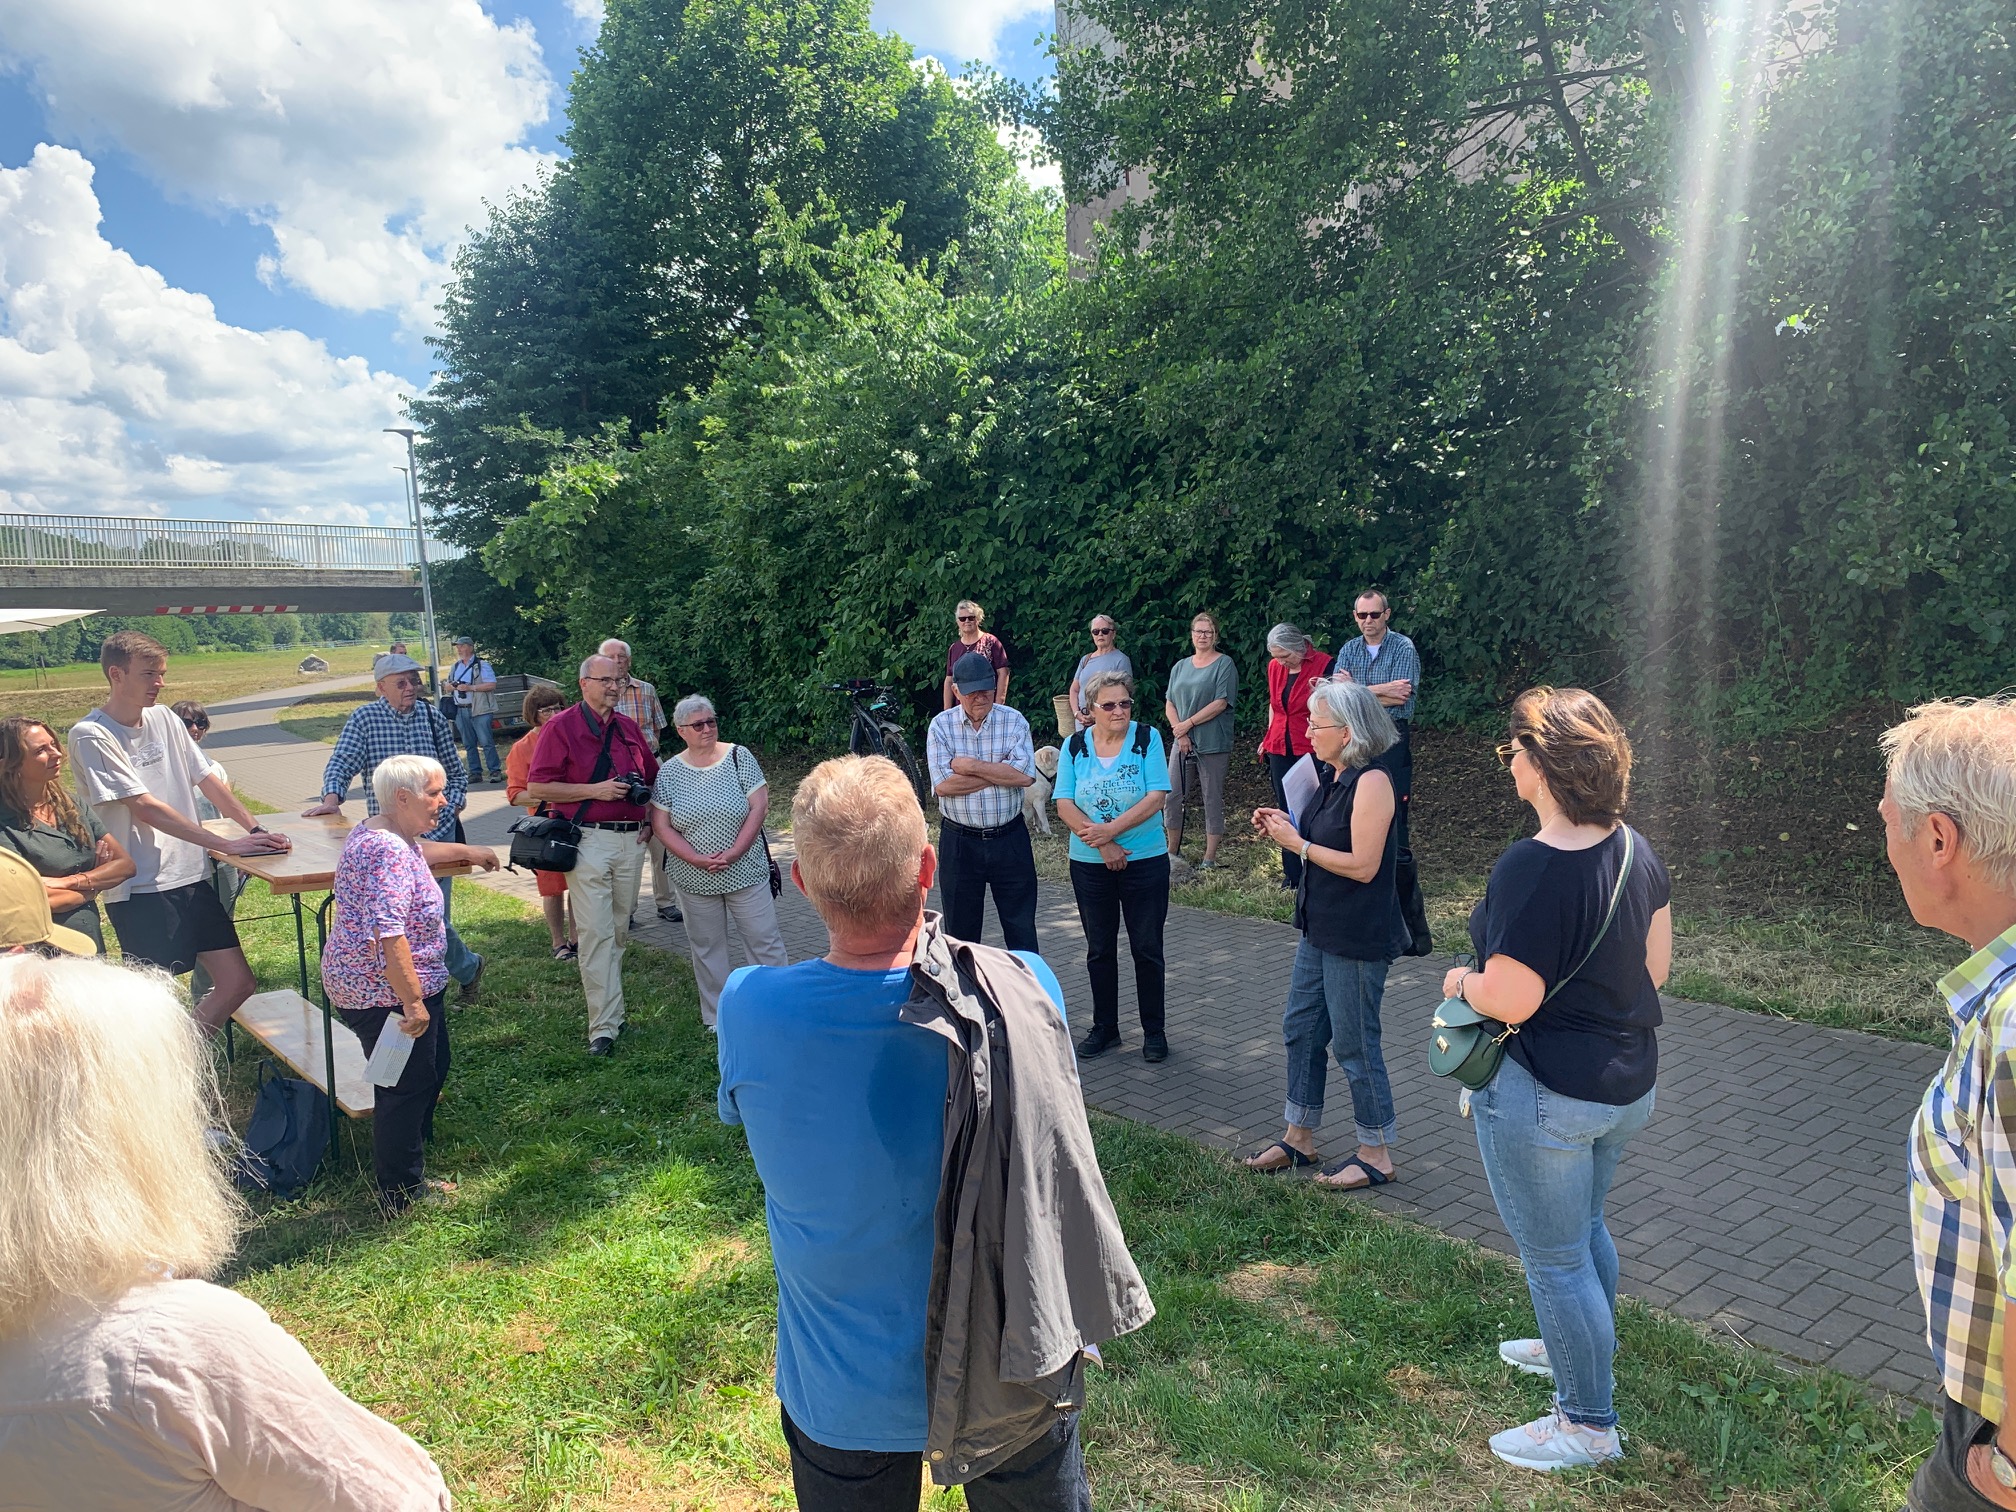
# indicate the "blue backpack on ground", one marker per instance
pixel 286 1137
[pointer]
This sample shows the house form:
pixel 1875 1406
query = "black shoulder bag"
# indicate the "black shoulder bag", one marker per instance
pixel 776 872
pixel 543 841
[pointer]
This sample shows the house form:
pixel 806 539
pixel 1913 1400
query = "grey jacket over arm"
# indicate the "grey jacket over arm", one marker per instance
pixel 1030 1265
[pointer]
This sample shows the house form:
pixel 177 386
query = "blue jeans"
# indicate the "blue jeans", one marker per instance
pixel 474 729
pixel 1550 1160
pixel 1333 1005
pixel 462 962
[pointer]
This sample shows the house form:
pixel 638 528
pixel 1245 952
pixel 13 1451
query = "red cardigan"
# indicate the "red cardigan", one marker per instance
pixel 1288 708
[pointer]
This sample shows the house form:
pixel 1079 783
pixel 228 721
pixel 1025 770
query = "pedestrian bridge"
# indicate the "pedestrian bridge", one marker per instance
pixel 143 565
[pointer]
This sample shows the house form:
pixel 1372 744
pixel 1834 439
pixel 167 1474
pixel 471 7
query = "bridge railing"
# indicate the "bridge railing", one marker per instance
pixel 138 541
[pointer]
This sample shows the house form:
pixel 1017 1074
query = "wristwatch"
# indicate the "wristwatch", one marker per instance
pixel 2000 1465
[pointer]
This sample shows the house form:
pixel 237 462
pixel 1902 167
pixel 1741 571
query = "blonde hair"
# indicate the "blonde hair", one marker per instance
pixel 105 1091
pixel 1957 757
pixel 860 836
pixel 979 614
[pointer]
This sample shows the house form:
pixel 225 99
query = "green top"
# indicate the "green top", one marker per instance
pixel 55 853
pixel 1191 687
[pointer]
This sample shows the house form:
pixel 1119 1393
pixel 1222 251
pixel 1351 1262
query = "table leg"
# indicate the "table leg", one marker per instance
pixel 328 1014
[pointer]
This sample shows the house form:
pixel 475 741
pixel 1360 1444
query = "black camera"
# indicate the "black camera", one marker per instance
pixel 635 789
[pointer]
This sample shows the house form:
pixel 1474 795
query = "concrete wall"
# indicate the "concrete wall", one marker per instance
pixel 147 590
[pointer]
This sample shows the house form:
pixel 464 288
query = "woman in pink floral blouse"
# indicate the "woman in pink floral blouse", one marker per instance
pixel 386 961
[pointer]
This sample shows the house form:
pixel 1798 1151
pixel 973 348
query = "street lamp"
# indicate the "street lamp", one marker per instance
pixel 412 472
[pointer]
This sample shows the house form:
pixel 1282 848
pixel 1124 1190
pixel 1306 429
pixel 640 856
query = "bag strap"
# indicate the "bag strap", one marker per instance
pixel 735 755
pixel 1077 746
pixel 1142 736
pixel 1616 896
pixel 602 763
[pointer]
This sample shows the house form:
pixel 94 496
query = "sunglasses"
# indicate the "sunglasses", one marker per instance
pixel 1113 704
pixel 701 724
pixel 1370 613
pixel 1102 631
pixel 1507 750
pixel 196 727
pixel 969 619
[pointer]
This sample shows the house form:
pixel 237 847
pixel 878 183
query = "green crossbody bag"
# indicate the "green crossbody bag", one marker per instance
pixel 1465 1046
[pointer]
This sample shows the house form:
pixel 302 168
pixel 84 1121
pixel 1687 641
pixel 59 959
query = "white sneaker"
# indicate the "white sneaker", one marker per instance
pixel 1554 1443
pixel 1528 1356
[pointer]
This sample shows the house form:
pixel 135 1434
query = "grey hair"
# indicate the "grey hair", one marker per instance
pixel 1285 637
pixel 603 649
pixel 1352 704
pixel 403 774
pixel 1098 682
pixel 1957 757
pixel 692 704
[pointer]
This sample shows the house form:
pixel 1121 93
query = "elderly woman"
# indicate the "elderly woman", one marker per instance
pixel 386 961
pixel 971 641
pixel 127 1382
pixel 707 810
pixel 1203 690
pixel 1352 928
pixel 541 704
pixel 47 828
pixel 1576 936
pixel 1292 671
pixel 1105 656
pixel 1112 782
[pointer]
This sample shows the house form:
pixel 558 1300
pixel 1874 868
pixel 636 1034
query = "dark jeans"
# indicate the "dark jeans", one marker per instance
pixel 1048 1476
pixel 1140 894
pixel 1291 864
pixel 402 1118
pixel 1941 1484
pixel 968 865
pixel 1399 764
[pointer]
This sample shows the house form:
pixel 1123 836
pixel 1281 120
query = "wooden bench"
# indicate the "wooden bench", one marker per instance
pixel 290 1027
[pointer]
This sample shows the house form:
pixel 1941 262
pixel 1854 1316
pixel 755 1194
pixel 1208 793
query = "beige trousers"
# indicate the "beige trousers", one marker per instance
pixel 603 888
pixel 755 914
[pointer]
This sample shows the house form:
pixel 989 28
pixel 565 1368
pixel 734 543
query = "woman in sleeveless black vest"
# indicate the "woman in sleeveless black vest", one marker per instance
pixel 1349 914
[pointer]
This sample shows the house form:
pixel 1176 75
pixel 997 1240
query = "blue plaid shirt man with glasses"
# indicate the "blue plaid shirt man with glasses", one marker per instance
pixel 981 757
pixel 1386 662
pixel 399 722
pixel 1949 821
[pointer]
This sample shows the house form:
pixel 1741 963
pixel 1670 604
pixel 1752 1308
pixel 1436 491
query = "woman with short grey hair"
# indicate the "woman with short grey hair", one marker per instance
pixel 707 810
pixel 1352 929
pixel 1294 668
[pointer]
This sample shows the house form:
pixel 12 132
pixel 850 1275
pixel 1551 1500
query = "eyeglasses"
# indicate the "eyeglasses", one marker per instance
pixel 1116 703
pixel 1314 726
pixel 1365 614
pixel 969 619
pixel 609 682
pixel 1102 630
pixel 196 727
pixel 701 724
pixel 1508 750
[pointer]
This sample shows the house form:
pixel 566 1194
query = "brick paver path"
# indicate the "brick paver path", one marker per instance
pixel 1765 1197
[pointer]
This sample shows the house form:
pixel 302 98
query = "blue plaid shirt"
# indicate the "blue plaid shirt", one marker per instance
pixel 1004 737
pixel 374 733
pixel 1397 661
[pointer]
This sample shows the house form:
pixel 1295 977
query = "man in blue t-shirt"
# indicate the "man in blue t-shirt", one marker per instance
pixel 843 1104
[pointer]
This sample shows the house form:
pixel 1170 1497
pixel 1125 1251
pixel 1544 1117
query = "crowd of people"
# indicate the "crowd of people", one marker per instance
pixel 911 1097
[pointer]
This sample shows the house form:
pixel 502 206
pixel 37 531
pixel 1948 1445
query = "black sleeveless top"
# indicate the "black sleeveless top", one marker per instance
pixel 1360 921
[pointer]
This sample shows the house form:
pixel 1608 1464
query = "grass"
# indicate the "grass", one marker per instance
pixel 591 1324
pixel 63 695
pixel 320 716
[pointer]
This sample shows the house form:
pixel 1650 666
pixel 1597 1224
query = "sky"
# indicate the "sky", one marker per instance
pixel 224 226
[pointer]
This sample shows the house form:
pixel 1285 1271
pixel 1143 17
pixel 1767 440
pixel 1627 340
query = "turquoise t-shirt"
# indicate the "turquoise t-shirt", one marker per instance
pixel 1106 790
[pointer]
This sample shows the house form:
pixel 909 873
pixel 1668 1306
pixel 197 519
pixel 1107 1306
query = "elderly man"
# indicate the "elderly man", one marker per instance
pixel 1386 662
pixel 981 757
pixel 640 701
pixel 472 682
pixel 920 1183
pixel 399 722
pixel 594 764
pixel 1949 821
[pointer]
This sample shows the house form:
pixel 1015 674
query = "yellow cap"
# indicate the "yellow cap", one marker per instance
pixel 24 911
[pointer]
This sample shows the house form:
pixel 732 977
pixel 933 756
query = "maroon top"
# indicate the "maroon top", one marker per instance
pixel 987 646
pixel 569 743
pixel 1288 706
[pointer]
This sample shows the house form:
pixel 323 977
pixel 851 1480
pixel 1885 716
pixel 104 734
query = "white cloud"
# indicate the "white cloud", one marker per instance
pixel 1039 170
pixel 365 134
pixel 120 394
pixel 959 29
pixel 589 11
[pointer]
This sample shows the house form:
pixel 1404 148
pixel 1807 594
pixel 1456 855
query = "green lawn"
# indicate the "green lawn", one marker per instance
pixel 321 716
pixel 591 1324
pixel 63 695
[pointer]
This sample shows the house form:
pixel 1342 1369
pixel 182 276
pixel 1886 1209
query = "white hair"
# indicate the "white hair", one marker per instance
pixel 692 704
pixel 603 649
pixel 1351 704
pixel 403 774
pixel 1285 637
pixel 105 1091
pixel 1957 757
pixel 1099 682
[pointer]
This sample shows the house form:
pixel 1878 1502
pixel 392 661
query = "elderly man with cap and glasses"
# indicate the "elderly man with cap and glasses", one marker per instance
pixel 399 722
pixel 594 765
pixel 981 757
pixel 472 684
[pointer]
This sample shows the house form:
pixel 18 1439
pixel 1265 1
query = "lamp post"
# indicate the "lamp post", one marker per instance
pixel 412 471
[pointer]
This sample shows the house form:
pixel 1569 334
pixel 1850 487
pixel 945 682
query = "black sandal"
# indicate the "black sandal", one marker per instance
pixel 1374 1177
pixel 1295 1162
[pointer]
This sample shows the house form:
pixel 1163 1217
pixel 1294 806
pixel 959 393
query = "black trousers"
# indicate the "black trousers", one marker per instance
pixel 1140 894
pixel 1048 1476
pixel 1399 764
pixel 1941 1484
pixel 1291 864
pixel 968 865
pixel 402 1118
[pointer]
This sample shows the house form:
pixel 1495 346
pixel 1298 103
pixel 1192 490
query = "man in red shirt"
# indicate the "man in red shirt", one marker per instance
pixel 591 764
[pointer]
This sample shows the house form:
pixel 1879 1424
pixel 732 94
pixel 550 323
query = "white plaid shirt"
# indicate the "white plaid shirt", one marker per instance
pixel 1963 1181
pixel 1002 736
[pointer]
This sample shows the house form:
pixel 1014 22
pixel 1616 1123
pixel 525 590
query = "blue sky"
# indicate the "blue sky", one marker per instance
pixel 223 225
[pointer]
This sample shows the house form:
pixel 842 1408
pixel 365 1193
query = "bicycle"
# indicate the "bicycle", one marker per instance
pixel 875 731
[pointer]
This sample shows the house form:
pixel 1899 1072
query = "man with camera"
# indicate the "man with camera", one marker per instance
pixel 595 766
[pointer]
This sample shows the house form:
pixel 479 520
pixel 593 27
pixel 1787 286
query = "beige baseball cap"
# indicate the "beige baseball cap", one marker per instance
pixel 24 911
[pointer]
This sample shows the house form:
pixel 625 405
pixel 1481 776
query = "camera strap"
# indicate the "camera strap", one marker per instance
pixel 602 763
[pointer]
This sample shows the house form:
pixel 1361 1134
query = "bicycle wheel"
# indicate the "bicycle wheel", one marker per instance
pixel 897 749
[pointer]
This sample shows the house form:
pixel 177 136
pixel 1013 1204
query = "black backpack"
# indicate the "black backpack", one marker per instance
pixel 1142 735
pixel 286 1137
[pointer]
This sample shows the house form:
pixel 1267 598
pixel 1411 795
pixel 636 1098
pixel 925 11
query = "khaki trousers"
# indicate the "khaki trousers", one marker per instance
pixel 662 891
pixel 603 887
pixel 755 914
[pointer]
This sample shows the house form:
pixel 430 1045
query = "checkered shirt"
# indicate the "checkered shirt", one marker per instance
pixel 640 702
pixel 1398 661
pixel 1963 1181
pixel 1002 736
pixel 374 733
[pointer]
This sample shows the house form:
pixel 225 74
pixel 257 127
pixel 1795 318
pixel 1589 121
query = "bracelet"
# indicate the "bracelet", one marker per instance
pixel 1305 849
pixel 1467 974
pixel 257 829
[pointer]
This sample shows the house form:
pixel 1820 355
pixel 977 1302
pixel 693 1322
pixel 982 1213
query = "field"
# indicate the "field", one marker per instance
pixel 63 695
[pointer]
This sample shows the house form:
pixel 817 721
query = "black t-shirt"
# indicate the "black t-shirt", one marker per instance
pixel 1594 1038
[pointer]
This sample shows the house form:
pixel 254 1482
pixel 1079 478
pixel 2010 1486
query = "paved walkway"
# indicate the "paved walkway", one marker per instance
pixel 1766 1197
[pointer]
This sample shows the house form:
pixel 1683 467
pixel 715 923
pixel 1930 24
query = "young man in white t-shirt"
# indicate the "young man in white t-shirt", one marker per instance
pixel 137 766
